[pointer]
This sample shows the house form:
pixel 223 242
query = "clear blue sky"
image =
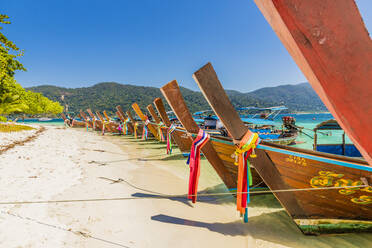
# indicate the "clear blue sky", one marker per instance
pixel 77 43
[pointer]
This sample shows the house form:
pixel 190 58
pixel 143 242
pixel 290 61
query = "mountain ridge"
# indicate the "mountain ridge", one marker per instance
pixel 106 95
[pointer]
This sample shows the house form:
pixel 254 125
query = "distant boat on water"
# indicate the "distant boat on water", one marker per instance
pixel 44 119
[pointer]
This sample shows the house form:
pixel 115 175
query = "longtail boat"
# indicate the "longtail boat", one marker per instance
pixel 335 148
pixel 73 123
pixel 218 154
pixel 162 130
pixel 124 119
pixel 137 127
pixel 323 193
pixel 151 127
pixel 107 124
pixel 97 123
pixel 86 119
pixel 331 45
pixel 265 128
pixel 183 141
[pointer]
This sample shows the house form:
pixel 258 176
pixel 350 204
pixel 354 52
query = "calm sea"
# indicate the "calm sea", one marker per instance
pixel 308 121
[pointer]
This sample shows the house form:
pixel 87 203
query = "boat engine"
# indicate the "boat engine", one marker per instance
pixel 289 122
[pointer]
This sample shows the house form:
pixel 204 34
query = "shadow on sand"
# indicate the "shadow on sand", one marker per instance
pixel 274 227
pixel 183 199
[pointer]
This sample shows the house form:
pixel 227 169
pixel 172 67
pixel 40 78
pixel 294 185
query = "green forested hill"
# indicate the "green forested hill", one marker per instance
pixel 105 96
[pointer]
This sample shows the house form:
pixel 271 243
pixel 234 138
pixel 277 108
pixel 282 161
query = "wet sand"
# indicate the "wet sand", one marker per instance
pixel 75 164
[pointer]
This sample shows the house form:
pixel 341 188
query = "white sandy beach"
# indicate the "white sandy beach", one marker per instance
pixel 64 164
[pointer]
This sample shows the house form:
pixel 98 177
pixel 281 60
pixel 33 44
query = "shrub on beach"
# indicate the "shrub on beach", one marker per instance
pixel 7 128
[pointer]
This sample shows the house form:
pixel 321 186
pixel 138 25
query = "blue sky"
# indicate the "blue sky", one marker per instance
pixel 77 43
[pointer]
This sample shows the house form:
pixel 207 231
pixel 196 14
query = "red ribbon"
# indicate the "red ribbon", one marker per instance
pixel 194 162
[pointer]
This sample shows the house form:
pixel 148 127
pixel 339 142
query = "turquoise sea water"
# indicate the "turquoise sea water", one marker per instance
pixel 309 121
pixel 54 122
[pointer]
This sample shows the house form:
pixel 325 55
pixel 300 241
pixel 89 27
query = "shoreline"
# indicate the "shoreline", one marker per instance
pixel 86 165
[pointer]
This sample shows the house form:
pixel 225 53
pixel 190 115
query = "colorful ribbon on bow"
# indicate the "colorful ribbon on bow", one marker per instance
pixel 94 123
pixel 161 136
pixel 126 126
pixel 145 131
pixel 103 127
pixel 120 128
pixel 135 129
pixel 194 162
pixel 171 129
pixel 245 149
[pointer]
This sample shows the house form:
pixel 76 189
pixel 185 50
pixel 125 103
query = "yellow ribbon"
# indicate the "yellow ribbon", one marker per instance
pixel 251 144
pixel 135 130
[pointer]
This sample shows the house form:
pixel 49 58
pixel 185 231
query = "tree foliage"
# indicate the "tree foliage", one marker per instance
pixel 14 98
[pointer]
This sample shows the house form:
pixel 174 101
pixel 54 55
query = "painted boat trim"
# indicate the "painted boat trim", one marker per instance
pixel 299 154
pixel 316 158
pixel 322 226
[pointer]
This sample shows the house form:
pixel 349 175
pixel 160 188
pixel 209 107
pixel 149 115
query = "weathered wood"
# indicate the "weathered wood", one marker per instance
pixel 330 44
pixel 150 126
pixel 183 141
pixel 85 118
pixel 152 112
pixel 106 116
pixel 111 126
pixel 99 123
pixel 131 117
pixel 129 124
pixel 91 114
pixel 216 96
pixel 100 117
pixel 134 123
pixel 161 110
pixel 172 93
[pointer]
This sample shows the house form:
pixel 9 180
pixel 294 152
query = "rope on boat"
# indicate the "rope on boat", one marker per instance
pixel 167 196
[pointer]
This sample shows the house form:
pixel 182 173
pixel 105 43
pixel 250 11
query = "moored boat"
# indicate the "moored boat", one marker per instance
pixel 107 123
pixel 97 123
pixel 183 141
pixel 137 125
pixel 124 119
pixel 71 122
pixel 342 148
pixel 218 151
pixel 157 123
pixel 151 127
pixel 321 192
pixel 331 45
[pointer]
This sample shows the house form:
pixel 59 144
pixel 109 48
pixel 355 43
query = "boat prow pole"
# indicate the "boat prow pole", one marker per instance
pixel 139 112
pixel 217 98
pixel 183 143
pixel 172 94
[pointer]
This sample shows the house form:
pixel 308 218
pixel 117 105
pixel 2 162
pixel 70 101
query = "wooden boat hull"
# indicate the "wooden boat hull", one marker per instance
pixel 293 174
pixel 123 119
pixel 226 152
pixel 151 127
pixel 331 45
pixel 76 123
pixel 284 141
pixel 180 138
pixel 221 161
pixel 328 210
